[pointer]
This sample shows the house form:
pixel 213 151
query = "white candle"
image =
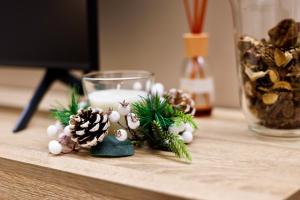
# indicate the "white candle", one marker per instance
pixel 105 99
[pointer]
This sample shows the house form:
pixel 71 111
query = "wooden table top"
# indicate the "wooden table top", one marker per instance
pixel 229 162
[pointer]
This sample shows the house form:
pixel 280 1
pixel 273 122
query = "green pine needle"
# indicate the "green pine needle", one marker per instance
pixel 172 141
pixel 63 114
pixel 156 116
pixel 181 117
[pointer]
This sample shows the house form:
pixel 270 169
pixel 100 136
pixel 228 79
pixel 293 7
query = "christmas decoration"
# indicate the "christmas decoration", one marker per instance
pixel 89 127
pixel 121 135
pixel 52 131
pixel 152 120
pixel 157 89
pixel 181 101
pixel 55 147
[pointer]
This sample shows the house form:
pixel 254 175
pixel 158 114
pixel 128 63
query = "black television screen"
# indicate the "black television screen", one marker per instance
pixel 48 33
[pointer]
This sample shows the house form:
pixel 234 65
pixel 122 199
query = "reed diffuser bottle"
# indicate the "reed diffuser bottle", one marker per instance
pixel 196 78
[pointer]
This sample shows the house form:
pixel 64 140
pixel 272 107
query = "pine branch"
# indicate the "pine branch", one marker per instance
pixel 181 117
pixel 63 114
pixel 173 142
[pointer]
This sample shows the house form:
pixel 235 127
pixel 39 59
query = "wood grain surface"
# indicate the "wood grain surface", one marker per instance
pixel 229 162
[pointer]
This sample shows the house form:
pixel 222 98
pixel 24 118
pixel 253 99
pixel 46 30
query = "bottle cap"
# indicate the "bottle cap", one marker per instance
pixel 196 44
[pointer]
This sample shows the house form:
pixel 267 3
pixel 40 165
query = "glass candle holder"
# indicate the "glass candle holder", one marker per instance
pixel 268 60
pixel 107 89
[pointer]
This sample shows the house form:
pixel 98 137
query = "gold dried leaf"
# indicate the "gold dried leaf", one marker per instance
pixel 263 89
pixel 254 75
pixel 282 85
pixel 248 88
pixel 282 58
pixel 269 98
pixel 274 76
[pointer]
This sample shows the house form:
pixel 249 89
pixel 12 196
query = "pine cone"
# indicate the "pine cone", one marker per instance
pixel 182 101
pixel 89 127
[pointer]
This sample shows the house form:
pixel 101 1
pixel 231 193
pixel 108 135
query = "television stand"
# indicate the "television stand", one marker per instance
pixel 49 78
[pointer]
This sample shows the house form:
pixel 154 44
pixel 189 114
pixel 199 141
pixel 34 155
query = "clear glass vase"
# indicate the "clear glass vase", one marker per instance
pixel 267 41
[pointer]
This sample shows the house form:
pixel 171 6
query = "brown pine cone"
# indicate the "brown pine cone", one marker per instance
pixel 182 101
pixel 89 127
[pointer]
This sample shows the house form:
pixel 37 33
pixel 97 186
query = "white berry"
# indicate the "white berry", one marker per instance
pixel 157 89
pixel 67 130
pixel 55 147
pixel 137 86
pixel 187 137
pixel 52 131
pixel 114 116
pixel 124 108
pixel 188 127
pixel 121 135
pixel 82 104
pixel 133 121
pixel 176 128
pixel 59 126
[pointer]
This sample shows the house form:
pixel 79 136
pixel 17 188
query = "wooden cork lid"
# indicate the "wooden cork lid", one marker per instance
pixel 196 44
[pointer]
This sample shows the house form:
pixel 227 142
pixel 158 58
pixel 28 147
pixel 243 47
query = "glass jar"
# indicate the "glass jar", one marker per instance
pixel 196 78
pixel 267 41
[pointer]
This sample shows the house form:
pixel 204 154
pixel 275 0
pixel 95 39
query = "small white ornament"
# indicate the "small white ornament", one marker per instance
pixel 148 85
pixel 52 131
pixel 121 135
pixel 114 116
pixel 188 127
pixel 187 137
pixel 82 104
pixel 59 126
pixel 133 121
pixel 157 89
pixel 176 128
pixel 67 130
pixel 55 147
pixel 137 85
pixel 124 108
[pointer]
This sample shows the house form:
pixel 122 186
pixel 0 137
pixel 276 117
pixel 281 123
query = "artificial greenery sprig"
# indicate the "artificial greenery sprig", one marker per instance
pixel 156 116
pixel 62 114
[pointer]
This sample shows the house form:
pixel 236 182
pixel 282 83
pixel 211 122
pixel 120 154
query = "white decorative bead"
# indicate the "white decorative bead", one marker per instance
pixel 55 147
pixel 67 130
pixel 52 131
pixel 59 126
pixel 121 135
pixel 137 85
pixel 133 121
pixel 123 109
pixel 82 104
pixel 188 127
pixel 187 137
pixel 148 85
pixel 114 116
pixel 176 128
pixel 157 89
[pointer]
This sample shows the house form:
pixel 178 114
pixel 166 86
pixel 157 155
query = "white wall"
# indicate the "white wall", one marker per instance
pixel 146 34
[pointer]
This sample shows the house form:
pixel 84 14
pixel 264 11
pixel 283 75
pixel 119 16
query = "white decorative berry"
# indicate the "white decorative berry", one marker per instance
pixel 55 147
pixel 82 104
pixel 114 116
pixel 67 130
pixel 188 127
pixel 176 128
pixel 59 126
pixel 137 85
pixel 133 121
pixel 52 131
pixel 148 85
pixel 157 89
pixel 187 137
pixel 121 135
pixel 124 108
